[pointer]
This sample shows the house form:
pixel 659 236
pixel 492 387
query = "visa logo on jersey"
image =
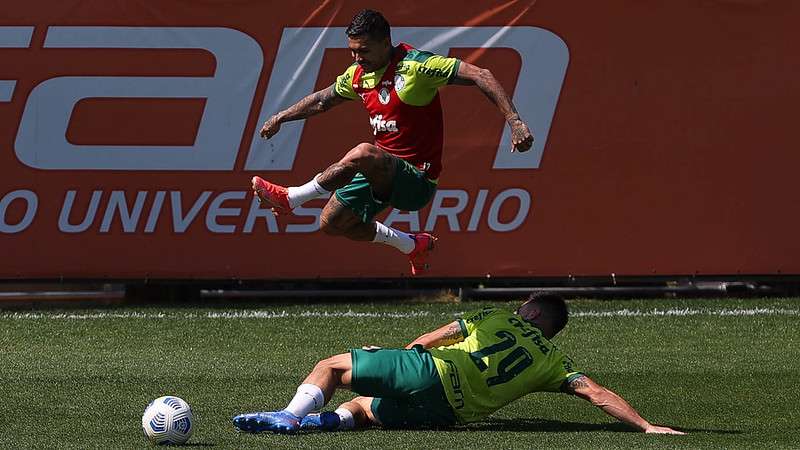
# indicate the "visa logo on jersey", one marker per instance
pixel 382 126
pixel 42 135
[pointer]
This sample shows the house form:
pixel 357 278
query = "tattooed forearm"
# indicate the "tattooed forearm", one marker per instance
pixel 492 89
pixel 446 335
pixel 576 385
pixel 521 136
pixel 315 103
pixel 451 335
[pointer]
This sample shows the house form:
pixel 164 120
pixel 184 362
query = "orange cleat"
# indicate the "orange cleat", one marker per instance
pixel 273 195
pixel 422 249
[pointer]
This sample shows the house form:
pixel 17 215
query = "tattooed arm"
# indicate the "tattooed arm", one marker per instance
pixel 315 103
pixel 446 335
pixel 468 74
pixel 613 405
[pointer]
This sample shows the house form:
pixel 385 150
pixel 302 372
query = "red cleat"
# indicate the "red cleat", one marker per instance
pixel 273 195
pixel 418 257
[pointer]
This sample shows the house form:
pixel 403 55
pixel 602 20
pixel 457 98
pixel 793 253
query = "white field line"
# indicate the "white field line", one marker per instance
pixel 679 312
pixel 241 314
pixel 259 314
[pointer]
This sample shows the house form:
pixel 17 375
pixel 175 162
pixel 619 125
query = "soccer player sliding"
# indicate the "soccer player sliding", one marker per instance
pixel 399 88
pixel 457 374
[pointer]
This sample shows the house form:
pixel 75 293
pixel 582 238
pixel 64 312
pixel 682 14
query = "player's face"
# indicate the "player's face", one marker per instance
pixel 371 54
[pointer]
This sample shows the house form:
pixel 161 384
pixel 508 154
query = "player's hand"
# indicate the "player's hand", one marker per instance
pixel 521 137
pixel 655 429
pixel 271 126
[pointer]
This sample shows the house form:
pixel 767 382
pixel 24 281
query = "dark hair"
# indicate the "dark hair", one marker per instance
pixel 370 23
pixel 552 308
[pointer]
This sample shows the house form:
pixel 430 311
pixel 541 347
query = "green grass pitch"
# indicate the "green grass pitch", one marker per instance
pixel 726 371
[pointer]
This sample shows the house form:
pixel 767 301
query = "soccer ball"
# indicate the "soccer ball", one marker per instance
pixel 167 420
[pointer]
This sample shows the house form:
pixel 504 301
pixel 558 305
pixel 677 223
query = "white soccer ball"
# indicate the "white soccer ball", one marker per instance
pixel 167 420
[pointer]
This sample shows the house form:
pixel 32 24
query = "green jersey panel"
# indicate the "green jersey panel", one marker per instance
pixel 501 359
pixel 344 83
pixel 418 76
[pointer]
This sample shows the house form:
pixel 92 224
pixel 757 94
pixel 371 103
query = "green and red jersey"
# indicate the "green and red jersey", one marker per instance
pixel 402 100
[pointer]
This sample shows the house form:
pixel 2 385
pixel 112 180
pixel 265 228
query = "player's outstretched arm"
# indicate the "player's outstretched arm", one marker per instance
pixel 468 74
pixel 446 335
pixel 613 405
pixel 315 103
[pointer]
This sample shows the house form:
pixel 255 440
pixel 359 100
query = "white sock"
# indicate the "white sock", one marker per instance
pixel 395 238
pixel 308 398
pixel 309 191
pixel 346 420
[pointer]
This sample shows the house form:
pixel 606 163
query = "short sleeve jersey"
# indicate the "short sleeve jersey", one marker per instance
pixel 403 103
pixel 501 359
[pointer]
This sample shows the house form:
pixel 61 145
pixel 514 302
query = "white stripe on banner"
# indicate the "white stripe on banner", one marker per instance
pixel 256 314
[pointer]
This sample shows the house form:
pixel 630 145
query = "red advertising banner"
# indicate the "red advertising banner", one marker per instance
pixel 665 138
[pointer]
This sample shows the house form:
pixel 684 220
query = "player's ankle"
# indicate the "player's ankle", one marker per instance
pixel 297 195
pixel 346 419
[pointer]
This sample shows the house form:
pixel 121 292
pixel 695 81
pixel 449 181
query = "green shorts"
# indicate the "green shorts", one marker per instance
pixel 411 191
pixel 407 389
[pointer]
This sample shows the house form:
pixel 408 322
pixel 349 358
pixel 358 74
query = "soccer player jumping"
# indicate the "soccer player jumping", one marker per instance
pixel 399 87
pixel 457 374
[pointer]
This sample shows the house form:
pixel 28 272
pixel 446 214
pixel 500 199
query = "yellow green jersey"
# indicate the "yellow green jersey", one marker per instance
pixel 418 76
pixel 501 359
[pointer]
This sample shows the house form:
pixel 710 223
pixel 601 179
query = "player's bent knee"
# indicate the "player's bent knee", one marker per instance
pixel 340 362
pixel 363 154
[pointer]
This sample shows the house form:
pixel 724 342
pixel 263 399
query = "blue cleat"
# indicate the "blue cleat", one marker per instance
pixel 326 421
pixel 282 422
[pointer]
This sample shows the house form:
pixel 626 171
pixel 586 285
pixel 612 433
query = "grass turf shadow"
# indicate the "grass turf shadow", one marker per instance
pixel 545 425
pixel 552 426
pixel 191 444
